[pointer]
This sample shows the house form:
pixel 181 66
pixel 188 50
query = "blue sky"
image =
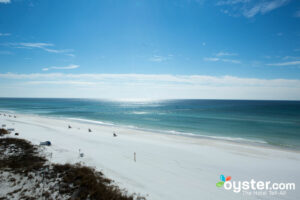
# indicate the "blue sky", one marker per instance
pixel 244 49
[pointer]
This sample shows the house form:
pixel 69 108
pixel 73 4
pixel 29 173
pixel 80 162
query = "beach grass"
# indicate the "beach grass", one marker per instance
pixel 3 132
pixel 20 158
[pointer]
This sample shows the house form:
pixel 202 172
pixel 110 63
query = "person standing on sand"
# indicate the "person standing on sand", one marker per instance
pixel 134 155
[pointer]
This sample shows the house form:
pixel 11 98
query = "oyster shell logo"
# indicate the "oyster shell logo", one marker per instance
pixel 223 180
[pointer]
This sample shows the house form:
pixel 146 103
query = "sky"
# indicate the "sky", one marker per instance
pixel 150 49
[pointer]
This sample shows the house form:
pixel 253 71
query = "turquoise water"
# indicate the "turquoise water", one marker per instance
pixel 271 122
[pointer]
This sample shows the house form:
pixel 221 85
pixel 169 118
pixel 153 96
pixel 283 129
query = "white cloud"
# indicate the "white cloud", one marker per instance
pixel 291 57
pixel 83 83
pixel 35 45
pixel 220 57
pixel 4 34
pixel 216 59
pixel 61 68
pixel 250 8
pixel 212 59
pixel 40 45
pixel 70 54
pixel 5 1
pixel 232 2
pixel 285 63
pixel 146 86
pixel 159 59
pixel 159 78
pixel 221 53
pixel 232 61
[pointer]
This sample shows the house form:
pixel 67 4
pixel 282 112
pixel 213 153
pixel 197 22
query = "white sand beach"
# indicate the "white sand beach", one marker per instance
pixel 167 167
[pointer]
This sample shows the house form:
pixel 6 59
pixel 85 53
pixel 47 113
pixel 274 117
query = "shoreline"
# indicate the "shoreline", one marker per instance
pixel 167 166
pixel 183 135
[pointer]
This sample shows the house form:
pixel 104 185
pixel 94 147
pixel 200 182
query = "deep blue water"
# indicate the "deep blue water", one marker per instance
pixel 271 122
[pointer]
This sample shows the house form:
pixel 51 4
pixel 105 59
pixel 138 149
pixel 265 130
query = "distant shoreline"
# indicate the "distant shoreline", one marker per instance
pixel 141 100
pixel 230 140
pixel 269 123
pixel 138 160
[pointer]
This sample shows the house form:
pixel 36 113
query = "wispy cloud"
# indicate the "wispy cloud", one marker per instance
pixel 144 78
pixel 215 59
pixel 157 58
pixel 291 57
pixel 211 59
pixel 297 13
pixel 221 53
pixel 232 61
pixel 285 63
pixel 5 53
pixel 70 54
pixel 82 83
pixel 4 34
pixel 34 45
pixel 279 34
pixel 231 2
pixel 5 1
pixel 251 8
pixel 220 57
pixel 45 46
pixel 61 68
pixel 147 86
pixel 39 45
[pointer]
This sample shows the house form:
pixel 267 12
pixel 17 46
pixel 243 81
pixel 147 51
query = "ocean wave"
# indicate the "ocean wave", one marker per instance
pixel 7 111
pixel 173 132
pixel 91 121
pixel 236 139
pixel 140 113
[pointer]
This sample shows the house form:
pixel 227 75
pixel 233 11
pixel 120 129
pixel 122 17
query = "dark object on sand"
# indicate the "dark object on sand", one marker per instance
pixel 15 116
pixel 3 125
pixel 81 155
pixel 69 126
pixel 10 129
pixel 9 115
pixel 90 130
pixel 47 143
pixel 3 132
pixel 115 135
pixel 16 133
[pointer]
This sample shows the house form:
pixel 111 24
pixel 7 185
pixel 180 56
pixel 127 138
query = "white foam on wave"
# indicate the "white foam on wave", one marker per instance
pixel 7 111
pixel 92 121
pixel 140 113
pixel 172 132
pixel 235 139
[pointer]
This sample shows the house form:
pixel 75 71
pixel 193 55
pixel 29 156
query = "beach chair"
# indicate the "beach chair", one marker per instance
pixel 46 143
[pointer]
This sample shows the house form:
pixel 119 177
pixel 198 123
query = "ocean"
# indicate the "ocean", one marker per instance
pixel 260 122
